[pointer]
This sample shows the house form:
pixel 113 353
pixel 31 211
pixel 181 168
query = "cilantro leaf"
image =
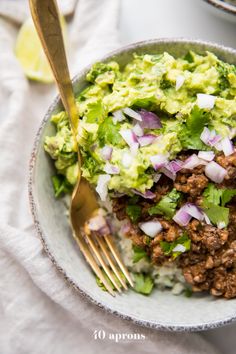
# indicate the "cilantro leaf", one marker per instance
pixel 94 112
pixel 143 283
pixel 133 211
pixel 192 129
pixel 217 214
pixel 167 204
pixel 61 185
pixel 108 133
pixel 138 253
pixel 217 196
pixel 227 195
pixel 168 247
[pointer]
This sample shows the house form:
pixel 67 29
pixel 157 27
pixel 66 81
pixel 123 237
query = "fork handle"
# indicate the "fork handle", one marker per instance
pixel 46 18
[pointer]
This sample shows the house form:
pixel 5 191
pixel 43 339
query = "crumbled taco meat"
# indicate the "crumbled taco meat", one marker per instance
pixel 210 264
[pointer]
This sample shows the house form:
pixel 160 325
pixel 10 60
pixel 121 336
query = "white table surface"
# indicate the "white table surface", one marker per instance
pixel 146 19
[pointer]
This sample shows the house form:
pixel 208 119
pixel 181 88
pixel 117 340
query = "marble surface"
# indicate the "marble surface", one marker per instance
pixel 145 19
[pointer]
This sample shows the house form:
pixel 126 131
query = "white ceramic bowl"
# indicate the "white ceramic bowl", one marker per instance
pixel 223 8
pixel 161 310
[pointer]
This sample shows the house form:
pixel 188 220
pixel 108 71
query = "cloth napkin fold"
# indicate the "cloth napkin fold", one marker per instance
pixel 39 311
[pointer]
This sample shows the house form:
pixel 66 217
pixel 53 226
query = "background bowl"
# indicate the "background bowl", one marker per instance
pixel 161 310
pixel 223 8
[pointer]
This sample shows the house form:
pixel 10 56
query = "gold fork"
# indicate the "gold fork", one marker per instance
pixel 100 252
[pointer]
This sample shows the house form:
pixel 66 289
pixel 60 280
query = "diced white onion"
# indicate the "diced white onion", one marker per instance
pixel 193 211
pixel 179 82
pixel 206 155
pixel 179 248
pixel 102 186
pixel 151 228
pixel 215 172
pixel 131 113
pixel 205 101
pixel 221 225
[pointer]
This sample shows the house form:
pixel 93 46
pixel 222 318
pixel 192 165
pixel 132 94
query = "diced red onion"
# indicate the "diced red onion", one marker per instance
pixel 218 146
pixel 208 221
pixel 156 177
pixel 146 139
pixel 150 120
pixel 179 82
pixel 138 130
pixel 106 152
pixel 205 101
pixel 125 228
pixel 191 162
pixel 158 161
pixel 227 146
pixel 176 165
pixel 194 211
pixel 168 171
pixel 98 223
pixel 118 116
pixel 206 155
pixel 131 113
pixel 151 228
pixel 102 186
pixel 130 138
pixel 215 172
pixel 179 248
pixel 182 218
pixel 210 137
pixel 127 159
pixel 146 195
pixel 111 169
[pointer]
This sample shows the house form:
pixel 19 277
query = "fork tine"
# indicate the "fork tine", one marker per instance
pixel 90 259
pixel 118 259
pixel 101 260
pixel 112 264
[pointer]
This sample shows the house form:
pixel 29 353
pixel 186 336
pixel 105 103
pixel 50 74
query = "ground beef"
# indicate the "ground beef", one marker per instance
pixel 210 265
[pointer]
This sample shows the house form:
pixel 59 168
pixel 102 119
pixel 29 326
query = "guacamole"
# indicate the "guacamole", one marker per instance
pixel 155 106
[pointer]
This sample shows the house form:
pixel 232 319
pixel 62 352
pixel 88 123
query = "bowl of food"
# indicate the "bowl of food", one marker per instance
pixel 157 131
pixel 224 8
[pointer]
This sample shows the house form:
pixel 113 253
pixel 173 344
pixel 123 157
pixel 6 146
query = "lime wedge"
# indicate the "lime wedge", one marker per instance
pixel 30 53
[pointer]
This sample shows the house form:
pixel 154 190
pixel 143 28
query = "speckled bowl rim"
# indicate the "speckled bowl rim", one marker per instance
pixel 33 206
pixel 222 6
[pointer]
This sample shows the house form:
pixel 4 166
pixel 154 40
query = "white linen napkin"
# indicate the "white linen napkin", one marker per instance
pixel 39 311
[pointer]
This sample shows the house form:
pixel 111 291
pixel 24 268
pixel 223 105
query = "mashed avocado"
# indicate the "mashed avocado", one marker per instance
pixel 161 84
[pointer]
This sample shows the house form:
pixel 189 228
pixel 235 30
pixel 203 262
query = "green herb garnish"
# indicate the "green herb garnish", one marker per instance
pixel 61 185
pixel 167 247
pixel 133 211
pixel 143 283
pixel 138 253
pixel 167 204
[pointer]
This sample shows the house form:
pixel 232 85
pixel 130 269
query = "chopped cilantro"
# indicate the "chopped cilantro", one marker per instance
pixel 143 283
pixel 133 211
pixel 217 214
pixel 61 185
pixel 138 253
pixel 167 247
pixel 214 201
pixel 108 133
pixel 167 204
pixel 188 292
pixel 192 129
pixel 217 196
pixel 94 112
